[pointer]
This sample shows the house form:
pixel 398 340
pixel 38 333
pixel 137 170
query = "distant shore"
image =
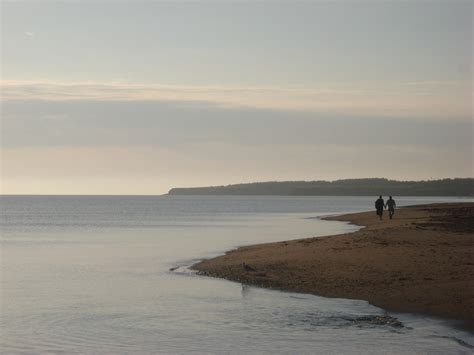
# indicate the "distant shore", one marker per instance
pixel 422 261
pixel 347 187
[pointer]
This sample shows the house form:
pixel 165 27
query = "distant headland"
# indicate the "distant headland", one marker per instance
pixel 346 187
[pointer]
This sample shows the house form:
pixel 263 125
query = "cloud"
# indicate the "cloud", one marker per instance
pixel 180 123
pixel 148 146
pixel 398 100
pixel 30 33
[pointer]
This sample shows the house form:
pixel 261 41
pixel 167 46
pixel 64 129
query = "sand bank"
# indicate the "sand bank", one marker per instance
pixel 421 261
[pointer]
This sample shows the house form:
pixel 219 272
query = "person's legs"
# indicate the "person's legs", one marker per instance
pixel 391 212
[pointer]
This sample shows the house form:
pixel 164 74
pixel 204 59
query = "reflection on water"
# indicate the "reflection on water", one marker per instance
pixel 91 274
pixel 246 289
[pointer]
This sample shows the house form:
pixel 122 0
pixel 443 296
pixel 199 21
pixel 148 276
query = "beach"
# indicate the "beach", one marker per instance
pixel 420 262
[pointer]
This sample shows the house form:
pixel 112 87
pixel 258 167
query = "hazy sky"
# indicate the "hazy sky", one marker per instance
pixel 136 97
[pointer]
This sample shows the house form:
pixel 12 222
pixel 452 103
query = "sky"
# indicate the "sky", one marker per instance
pixel 137 97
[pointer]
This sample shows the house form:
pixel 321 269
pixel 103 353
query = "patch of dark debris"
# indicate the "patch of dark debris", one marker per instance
pixel 378 320
pixel 458 220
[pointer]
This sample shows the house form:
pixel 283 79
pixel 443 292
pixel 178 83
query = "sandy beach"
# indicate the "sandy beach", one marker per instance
pixel 421 261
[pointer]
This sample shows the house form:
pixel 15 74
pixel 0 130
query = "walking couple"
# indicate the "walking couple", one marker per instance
pixel 379 206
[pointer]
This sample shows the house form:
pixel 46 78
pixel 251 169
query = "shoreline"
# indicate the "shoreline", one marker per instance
pixel 422 261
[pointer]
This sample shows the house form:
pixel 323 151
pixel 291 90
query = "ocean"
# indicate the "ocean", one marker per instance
pixel 91 274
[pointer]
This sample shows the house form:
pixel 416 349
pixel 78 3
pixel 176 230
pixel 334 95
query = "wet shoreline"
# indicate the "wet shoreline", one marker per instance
pixel 419 262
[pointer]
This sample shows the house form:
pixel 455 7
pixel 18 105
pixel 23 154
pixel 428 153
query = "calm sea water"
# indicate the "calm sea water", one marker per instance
pixel 91 274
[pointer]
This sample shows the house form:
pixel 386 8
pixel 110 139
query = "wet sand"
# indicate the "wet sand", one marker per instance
pixel 421 261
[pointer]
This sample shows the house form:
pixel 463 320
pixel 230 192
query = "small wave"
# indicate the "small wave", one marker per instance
pixel 183 270
pixel 457 340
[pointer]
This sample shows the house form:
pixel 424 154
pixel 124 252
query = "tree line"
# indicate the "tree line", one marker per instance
pixel 346 187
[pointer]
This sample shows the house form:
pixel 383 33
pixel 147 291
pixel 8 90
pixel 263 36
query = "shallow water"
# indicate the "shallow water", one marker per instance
pixel 91 274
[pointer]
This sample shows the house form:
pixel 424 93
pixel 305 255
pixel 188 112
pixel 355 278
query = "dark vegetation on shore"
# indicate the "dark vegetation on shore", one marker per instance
pixel 347 187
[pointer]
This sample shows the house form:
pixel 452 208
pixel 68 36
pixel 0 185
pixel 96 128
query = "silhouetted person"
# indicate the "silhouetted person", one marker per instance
pixel 379 204
pixel 391 206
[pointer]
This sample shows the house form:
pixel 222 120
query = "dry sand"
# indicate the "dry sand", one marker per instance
pixel 421 261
